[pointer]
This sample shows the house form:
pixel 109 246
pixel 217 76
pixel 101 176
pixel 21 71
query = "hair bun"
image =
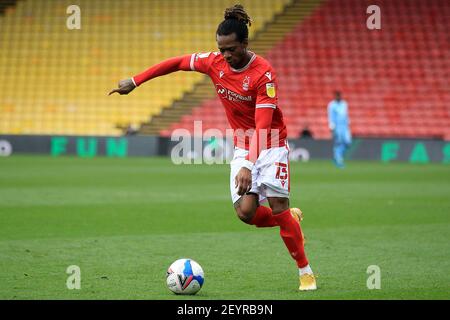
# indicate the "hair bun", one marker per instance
pixel 237 12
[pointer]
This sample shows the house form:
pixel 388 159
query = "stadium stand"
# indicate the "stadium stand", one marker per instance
pixel 56 80
pixel 396 79
pixel 261 43
pixel 5 4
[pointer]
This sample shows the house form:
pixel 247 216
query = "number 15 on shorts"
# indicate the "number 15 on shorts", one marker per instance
pixel 282 172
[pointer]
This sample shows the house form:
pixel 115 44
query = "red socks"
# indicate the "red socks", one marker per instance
pixel 290 231
pixel 291 234
pixel 263 218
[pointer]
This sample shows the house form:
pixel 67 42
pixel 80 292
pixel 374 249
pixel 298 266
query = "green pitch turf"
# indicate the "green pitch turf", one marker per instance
pixel 123 221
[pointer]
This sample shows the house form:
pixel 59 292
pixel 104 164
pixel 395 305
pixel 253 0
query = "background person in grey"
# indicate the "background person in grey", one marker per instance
pixel 338 122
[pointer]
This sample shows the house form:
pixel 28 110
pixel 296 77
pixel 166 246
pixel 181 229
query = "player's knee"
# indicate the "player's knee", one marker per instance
pixel 245 213
pixel 246 207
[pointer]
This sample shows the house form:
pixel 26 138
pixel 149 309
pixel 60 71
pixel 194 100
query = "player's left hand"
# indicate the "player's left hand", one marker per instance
pixel 125 87
pixel 243 181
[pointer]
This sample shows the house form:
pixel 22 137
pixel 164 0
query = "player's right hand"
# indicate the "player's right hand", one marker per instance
pixel 243 181
pixel 125 87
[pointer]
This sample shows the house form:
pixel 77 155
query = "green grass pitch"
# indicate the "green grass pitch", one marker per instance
pixel 123 221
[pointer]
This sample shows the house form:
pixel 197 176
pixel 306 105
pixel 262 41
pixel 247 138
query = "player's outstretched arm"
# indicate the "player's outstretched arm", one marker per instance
pixel 125 87
pixel 168 66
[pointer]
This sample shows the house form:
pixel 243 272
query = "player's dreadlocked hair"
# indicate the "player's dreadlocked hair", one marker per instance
pixel 236 20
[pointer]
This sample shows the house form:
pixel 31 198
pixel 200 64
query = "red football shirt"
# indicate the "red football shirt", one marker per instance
pixel 241 92
pixel 249 96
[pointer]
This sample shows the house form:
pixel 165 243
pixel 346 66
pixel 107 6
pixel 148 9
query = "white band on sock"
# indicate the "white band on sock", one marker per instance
pixel 305 270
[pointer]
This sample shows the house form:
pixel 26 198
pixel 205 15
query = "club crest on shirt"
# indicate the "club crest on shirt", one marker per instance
pixel 246 83
pixel 270 89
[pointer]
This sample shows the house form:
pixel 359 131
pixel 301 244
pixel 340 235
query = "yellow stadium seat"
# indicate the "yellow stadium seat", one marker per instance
pixel 56 80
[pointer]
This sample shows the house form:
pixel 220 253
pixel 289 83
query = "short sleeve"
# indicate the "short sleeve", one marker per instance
pixel 267 91
pixel 201 62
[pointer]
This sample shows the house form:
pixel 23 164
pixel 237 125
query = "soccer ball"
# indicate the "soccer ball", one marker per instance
pixel 185 276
